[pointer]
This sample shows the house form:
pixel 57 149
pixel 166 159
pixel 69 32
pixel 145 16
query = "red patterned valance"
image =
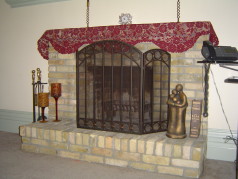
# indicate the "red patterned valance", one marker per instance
pixel 172 37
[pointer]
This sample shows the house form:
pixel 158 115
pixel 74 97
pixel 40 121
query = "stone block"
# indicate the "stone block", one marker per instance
pixel 117 144
pixel 124 145
pixel 59 145
pixel 186 152
pixel 67 81
pixel 93 140
pixel 109 143
pixel 67 107
pixel 40 134
pixel 79 138
pixel 22 131
pixel 46 134
pixel 158 160
pixel 48 151
pixel 51 49
pixel 185 163
pixel 53 56
pixel 33 132
pixel 193 54
pixel 189 78
pixel 202 38
pixel 177 55
pixel 196 154
pixel 61 75
pixel 177 152
pixel 66 56
pixel 143 166
pixel 193 86
pixel 85 139
pixel 36 141
pixel 28 131
pixel 141 146
pixel 150 147
pixel 101 141
pixel 127 156
pixel 133 145
pixel 193 173
pixel 187 149
pixel 70 62
pixel 168 150
pixel 65 137
pixel 66 68
pixel 67 154
pixel 170 170
pixel 72 137
pixel 175 69
pixel 159 148
pixel 58 136
pixel 52 135
pixel 115 162
pixel 181 62
pixel 52 68
pixel 192 70
pixel 77 148
pixel 29 148
pixel 55 62
pixel 92 158
pixel 26 140
pixel 190 94
pixel 101 151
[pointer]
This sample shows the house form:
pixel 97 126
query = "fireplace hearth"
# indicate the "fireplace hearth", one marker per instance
pixel 121 89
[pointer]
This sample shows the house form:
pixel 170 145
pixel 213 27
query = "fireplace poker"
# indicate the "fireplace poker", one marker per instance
pixel 37 87
pixel 33 91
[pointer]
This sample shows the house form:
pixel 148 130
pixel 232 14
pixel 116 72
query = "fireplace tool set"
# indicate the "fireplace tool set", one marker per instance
pixel 41 98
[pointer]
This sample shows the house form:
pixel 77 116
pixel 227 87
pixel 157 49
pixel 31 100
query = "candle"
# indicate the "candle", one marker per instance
pixel 43 99
pixel 55 89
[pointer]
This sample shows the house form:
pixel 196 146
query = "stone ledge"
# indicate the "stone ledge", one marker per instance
pixel 150 152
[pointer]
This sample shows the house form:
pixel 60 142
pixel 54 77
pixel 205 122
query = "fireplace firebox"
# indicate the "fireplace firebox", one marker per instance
pixel 121 89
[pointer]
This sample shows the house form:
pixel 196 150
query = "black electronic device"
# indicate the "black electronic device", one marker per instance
pixel 219 53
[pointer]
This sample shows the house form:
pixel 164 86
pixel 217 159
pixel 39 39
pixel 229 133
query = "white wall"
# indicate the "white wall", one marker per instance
pixel 20 28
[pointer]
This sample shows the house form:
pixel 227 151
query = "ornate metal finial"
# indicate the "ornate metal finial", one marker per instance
pixel 33 76
pixel 38 75
pixel 178 10
pixel 87 14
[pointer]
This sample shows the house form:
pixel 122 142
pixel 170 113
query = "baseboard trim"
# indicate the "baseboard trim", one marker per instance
pixel 10 120
pixel 218 148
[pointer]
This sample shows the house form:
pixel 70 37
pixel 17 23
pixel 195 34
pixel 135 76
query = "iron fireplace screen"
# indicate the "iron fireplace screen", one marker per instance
pixel 121 89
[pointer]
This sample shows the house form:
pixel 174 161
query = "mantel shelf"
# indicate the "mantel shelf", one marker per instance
pixel 172 37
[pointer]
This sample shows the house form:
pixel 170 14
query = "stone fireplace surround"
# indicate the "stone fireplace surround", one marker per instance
pixel 151 152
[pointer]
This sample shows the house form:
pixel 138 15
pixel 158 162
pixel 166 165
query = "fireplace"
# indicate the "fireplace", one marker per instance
pixel 118 144
pixel 121 89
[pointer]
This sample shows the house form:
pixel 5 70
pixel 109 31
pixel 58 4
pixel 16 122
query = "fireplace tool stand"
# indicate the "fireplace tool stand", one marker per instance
pixel 37 87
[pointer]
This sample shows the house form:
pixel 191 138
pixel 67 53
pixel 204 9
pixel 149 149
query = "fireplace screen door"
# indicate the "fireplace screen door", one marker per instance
pixel 121 89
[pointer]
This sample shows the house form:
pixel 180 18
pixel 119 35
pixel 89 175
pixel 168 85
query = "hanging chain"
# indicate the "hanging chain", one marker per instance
pixel 178 10
pixel 87 14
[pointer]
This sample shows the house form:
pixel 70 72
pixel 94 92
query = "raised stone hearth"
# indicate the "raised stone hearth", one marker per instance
pixel 149 152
